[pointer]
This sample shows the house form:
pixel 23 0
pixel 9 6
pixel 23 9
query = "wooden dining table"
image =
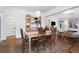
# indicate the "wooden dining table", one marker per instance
pixel 32 34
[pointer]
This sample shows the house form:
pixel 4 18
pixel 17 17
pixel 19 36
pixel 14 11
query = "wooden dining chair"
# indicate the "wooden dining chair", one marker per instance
pixel 60 36
pixel 52 37
pixel 25 42
pixel 49 41
pixel 41 38
pixel 34 43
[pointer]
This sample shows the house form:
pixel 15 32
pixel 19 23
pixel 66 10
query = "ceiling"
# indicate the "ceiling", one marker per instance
pixel 42 9
pixel 35 8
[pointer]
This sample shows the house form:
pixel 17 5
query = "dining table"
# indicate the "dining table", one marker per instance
pixel 32 34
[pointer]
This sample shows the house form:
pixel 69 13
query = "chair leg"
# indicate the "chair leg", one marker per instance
pixel 38 47
pixel 22 49
pixel 44 45
pixel 50 44
pixel 32 45
pixel 33 48
pixel 54 43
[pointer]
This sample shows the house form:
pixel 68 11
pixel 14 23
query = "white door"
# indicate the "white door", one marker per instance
pixel 10 26
pixel 61 26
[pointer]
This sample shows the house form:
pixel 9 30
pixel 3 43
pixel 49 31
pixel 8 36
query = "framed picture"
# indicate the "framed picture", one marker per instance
pixel 73 23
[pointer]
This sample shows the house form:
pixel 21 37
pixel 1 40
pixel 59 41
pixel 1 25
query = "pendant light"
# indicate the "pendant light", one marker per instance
pixel 37 14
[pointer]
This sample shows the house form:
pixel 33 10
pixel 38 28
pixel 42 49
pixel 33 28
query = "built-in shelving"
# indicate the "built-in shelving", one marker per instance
pixel 32 23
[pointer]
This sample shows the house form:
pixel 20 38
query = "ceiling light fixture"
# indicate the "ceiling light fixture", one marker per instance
pixel 37 14
pixel 68 12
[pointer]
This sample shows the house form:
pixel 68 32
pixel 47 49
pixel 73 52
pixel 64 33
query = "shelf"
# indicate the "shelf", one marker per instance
pixel 32 23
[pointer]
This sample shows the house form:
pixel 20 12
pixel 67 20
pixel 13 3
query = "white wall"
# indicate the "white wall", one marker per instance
pixel 19 15
pixel 48 21
pixel 10 25
pixel 3 34
pixel 43 20
pixel 20 23
pixel 50 15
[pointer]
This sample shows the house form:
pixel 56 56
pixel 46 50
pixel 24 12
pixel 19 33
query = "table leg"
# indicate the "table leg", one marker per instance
pixel 29 44
pixel 55 37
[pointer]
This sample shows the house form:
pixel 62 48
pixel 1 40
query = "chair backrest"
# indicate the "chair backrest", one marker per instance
pixel 22 35
pixel 41 31
pixel 53 29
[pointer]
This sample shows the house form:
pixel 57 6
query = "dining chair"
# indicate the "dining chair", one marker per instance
pixel 25 42
pixel 34 43
pixel 53 35
pixel 41 38
pixel 60 36
pixel 49 41
pixel 51 38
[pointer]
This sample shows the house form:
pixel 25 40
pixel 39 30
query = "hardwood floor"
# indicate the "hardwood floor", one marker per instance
pixel 9 45
pixel 75 48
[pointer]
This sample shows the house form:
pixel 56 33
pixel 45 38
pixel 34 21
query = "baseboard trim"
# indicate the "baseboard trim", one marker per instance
pixel 1 41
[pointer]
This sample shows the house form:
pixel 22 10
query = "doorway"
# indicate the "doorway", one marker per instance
pixel 10 26
pixel 61 26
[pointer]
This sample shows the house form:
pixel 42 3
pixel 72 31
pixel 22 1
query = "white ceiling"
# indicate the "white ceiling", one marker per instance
pixel 42 9
pixel 35 8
